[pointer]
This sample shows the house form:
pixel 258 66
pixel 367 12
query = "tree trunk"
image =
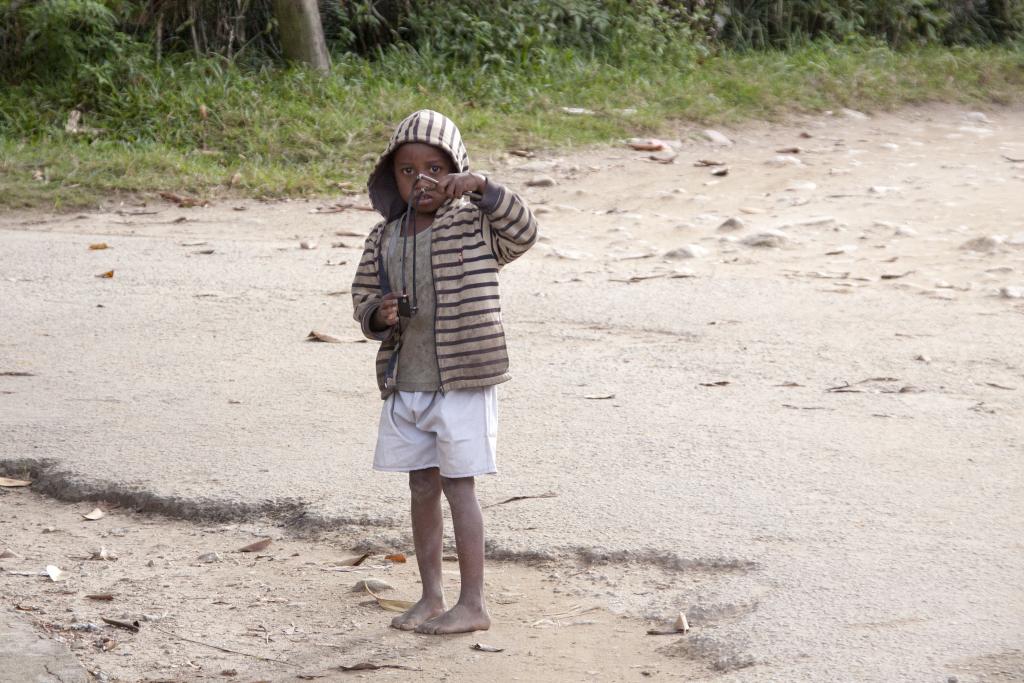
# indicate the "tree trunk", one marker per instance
pixel 302 34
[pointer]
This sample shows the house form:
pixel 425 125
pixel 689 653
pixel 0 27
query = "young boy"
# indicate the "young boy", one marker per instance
pixel 427 289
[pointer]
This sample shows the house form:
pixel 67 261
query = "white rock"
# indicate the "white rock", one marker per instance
pixel 854 114
pixel 375 585
pixel 307 244
pixel 905 231
pixel 1012 292
pixel 732 225
pixel 976 117
pixel 780 160
pixel 1017 240
pixel 891 146
pixel 988 243
pixel 541 181
pixel 772 239
pixel 687 251
pixel 717 138
pixel 210 557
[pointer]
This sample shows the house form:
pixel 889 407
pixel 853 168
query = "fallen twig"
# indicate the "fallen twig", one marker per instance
pixel 549 494
pixel 224 649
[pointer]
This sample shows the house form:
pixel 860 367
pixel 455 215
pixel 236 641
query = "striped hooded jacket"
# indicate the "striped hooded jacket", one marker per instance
pixel 469 245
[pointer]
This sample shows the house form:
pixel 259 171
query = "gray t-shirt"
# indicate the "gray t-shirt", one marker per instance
pixel 417 368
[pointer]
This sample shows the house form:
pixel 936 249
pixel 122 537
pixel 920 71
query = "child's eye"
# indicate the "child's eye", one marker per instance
pixel 435 169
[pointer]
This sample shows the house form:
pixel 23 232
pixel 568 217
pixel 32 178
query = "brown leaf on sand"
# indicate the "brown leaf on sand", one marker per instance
pixel 256 547
pixel 397 558
pixel 486 648
pixel 16 373
pixel 391 605
pixel 788 150
pixel 1014 160
pixel 182 200
pixel 719 383
pixel 13 483
pixel 106 597
pixel 109 274
pixel 549 494
pixel 370 666
pixel 98 246
pixel 315 336
pixel 133 626
pixel 721 172
pixel 896 276
pixel 94 515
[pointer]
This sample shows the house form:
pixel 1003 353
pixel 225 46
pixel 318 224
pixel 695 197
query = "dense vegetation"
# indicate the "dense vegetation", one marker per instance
pixel 188 93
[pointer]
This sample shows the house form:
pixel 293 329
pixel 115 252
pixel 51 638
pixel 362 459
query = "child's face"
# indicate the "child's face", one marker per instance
pixel 414 158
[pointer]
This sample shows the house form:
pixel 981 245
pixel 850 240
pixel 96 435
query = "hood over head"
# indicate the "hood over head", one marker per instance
pixel 421 126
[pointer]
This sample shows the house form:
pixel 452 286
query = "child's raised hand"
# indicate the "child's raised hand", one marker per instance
pixel 455 185
pixel 387 313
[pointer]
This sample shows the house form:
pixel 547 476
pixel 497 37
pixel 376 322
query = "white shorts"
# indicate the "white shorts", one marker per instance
pixel 456 432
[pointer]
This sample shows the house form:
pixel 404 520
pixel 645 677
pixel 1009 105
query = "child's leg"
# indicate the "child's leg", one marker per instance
pixel 469 614
pixel 427 525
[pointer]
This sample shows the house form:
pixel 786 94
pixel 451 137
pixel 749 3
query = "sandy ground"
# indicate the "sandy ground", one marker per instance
pixel 812 447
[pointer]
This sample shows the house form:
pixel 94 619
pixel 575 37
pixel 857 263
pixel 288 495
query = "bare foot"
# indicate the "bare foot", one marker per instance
pixel 459 619
pixel 422 611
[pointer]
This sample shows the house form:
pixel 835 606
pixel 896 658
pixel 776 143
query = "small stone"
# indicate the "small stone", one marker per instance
pixel 883 190
pixel 771 239
pixel 923 358
pixel 891 146
pixel 687 251
pixel 781 160
pixel 732 225
pixel 854 114
pixel 905 231
pixel 988 243
pixel 976 117
pixel 9 554
pixel 541 181
pixel 1012 292
pixel 952 679
pixel 307 244
pixel 210 557
pixel 374 585
pixel 717 138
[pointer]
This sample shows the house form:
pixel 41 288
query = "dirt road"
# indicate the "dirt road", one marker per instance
pixel 785 400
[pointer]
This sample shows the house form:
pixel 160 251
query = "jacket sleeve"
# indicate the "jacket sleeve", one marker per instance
pixel 510 225
pixel 366 289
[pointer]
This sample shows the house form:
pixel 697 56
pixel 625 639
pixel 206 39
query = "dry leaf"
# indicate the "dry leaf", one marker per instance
pixel 354 561
pixel 108 274
pixel 9 554
pixel 315 336
pixel 55 573
pixel 398 558
pixel 133 626
pixel 204 252
pixel 13 483
pixel 183 201
pixel 598 397
pixel 94 515
pixel 549 494
pixel 721 172
pixel 487 648
pixel 719 383
pixel 708 162
pixel 255 547
pixel 349 233
pixel 106 597
pixel 789 150
pixel 391 605
pixel 896 276
pixel 98 246
pixel 370 666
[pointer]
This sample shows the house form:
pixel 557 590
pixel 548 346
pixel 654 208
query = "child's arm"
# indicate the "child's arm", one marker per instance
pixel 513 227
pixel 366 291
pixel 510 227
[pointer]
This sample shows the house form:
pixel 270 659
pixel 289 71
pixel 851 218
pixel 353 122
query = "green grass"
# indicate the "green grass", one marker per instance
pixel 297 133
